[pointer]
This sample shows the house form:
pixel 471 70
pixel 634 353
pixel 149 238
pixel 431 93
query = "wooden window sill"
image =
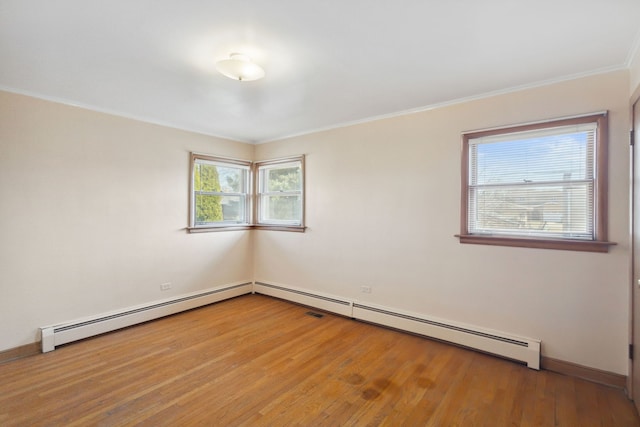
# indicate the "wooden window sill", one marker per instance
pixel 293 228
pixel 523 242
pixel 218 228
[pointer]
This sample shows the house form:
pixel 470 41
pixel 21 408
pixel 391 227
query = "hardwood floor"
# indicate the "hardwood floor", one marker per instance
pixel 256 360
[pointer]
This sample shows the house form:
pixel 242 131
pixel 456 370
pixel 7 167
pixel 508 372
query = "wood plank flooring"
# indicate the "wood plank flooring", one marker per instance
pixel 259 361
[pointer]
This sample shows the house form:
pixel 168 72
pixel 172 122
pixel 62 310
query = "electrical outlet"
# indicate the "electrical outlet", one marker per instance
pixel 165 286
pixel 365 289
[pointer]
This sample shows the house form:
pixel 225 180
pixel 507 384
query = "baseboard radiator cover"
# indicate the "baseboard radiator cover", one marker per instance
pixel 67 332
pixel 513 347
pixel 329 303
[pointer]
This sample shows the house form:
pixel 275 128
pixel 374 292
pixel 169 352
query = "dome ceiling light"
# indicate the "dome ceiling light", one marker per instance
pixel 240 67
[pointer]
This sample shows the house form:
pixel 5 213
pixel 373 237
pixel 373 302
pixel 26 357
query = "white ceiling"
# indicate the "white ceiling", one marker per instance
pixel 328 63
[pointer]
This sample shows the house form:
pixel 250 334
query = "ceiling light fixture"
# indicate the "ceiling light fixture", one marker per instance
pixel 240 67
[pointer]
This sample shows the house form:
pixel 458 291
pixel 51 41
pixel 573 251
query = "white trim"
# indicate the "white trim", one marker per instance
pixel 428 107
pixel 117 113
pixel 452 102
pixel 635 46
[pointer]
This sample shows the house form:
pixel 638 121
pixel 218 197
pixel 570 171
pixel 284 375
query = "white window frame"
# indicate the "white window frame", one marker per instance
pixel 595 243
pixel 260 169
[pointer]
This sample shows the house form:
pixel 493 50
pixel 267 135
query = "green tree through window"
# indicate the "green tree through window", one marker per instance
pixel 234 194
pixel 280 192
pixel 206 181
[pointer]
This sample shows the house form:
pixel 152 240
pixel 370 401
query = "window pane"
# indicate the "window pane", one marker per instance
pixel 206 177
pixel 283 179
pixel 233 208
pixel 546 211
pixel 548 158
pixel 280 192
pixel 220 192
pixel 208 209
pixel 213 177
pixel 231 179
pixel 211 209
pixel 282 208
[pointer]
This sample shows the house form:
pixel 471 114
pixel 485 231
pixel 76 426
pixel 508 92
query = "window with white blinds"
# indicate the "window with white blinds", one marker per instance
pixel 536 182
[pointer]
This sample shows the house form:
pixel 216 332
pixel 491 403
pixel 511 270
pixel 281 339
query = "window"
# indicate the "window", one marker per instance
pixel 280 189
pixel 220 196
pixel 541 185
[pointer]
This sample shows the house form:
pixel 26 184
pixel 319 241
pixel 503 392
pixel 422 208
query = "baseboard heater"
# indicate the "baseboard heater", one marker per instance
pixel 301 296
pixel 64 333
pixel 513 347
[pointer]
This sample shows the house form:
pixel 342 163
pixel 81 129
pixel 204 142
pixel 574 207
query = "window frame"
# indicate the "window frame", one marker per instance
pixel 224 162
pixel 258 194
pixel 599 243
pixel 251 201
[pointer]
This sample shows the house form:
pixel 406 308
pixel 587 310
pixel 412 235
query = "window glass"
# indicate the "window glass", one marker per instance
pixel 225 196
pixel 533 183
pixel 220 193
pixel 280 198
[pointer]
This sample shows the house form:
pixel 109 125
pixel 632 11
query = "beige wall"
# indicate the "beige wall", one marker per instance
pixel 383 203
pixel 94 208
pixel 92 216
